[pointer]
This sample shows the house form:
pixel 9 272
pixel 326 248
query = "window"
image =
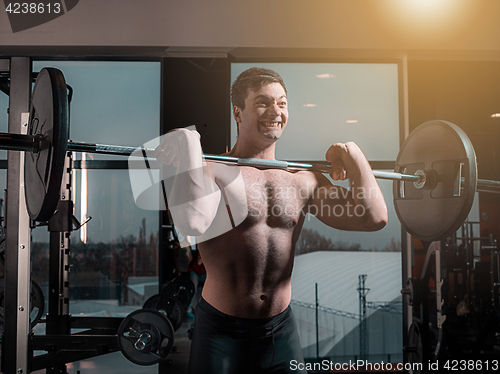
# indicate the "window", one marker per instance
pixel 114 256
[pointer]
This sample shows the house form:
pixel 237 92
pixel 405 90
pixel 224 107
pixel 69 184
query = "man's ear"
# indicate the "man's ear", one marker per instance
pixel 237 114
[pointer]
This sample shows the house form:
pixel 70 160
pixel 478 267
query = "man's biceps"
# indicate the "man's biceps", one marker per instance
pixel 181 197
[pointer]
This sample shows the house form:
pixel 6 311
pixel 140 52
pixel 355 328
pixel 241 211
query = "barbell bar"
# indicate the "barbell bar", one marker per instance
pixel 483 185
pixel 29 143
pixel 435 176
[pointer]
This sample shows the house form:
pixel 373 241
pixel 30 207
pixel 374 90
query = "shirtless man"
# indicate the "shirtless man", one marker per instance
pixel 244 322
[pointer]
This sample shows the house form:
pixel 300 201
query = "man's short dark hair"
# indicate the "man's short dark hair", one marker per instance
pixel 253 79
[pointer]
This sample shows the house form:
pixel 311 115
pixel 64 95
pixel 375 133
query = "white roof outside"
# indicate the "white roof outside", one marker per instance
pixel 337 276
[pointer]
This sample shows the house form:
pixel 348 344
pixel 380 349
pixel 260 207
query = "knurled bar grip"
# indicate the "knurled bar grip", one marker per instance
pixel 116 150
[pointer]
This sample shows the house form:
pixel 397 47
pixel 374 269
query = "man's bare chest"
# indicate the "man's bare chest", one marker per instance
pixel 275 197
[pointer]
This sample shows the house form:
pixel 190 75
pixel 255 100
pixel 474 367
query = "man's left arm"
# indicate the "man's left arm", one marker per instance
pixel 362 208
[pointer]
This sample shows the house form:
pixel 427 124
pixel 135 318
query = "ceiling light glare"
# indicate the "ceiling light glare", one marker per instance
pixel 325 76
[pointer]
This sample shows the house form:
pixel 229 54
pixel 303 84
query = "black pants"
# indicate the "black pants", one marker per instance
pixel 223 344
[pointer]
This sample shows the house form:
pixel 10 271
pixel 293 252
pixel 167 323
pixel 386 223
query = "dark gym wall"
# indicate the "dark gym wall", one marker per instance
pixel 196 92
pixel 466 93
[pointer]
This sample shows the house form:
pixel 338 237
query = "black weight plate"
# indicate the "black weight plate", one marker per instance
pixel 436 213
pixel 2 238
pixel 2 306
pixel 145 337
pixel 186 290
pixel 180 293
pixel 415 348
pixel 414 296
pixel 174 312
pixel 171 289
pixel 2 251
pixel 37 304
pixel 167 304
pixel 49 117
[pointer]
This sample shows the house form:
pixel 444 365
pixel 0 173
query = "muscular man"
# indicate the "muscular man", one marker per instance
pixel 244 323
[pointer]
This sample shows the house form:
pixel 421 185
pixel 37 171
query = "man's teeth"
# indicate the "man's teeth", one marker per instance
pixel 272 124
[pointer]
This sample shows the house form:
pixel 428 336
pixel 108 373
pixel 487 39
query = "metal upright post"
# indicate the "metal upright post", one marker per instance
pixel 60 227
pixel 441 317
pixel 15 355
pixel 317 322
pixel 363 339
pixel 407 262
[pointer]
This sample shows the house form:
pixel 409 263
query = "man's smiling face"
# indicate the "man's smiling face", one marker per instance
pixel 265 115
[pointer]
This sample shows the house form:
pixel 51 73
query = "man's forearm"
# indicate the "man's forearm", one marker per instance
pixel 365 190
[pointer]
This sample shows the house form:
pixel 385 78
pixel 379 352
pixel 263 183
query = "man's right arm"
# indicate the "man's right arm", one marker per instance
pixel 192 195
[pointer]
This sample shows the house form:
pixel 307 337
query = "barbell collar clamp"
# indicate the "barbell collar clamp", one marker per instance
pixel 428 179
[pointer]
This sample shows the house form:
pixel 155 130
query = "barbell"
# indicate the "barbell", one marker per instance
pixel 435 176
pixel 146 337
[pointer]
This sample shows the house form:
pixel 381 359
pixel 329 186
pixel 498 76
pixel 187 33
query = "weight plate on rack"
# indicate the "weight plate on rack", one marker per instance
pixel 414 292
pixel 49 118
pixel 37 304
pixel 2 251
pixel 145 337
pixel 442 150
pixel 184 290
pixel 171 289
pixel 415 349
pixel 169 305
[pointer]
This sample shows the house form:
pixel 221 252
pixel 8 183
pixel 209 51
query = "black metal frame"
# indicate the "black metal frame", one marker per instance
pixel 20 91
pixel 463 336
pixel 99 339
